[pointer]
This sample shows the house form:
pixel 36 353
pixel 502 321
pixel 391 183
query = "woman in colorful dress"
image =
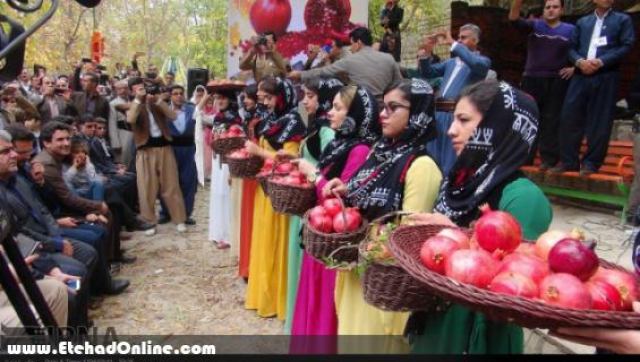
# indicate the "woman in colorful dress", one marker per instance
pixel 354 117
pixel 317 101
pixel 397 175
pixel 492 132
pixel 250 122
pixel 280 132
pixel 220 208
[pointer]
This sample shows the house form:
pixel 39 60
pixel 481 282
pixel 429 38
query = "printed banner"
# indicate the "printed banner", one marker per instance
pixel 296 23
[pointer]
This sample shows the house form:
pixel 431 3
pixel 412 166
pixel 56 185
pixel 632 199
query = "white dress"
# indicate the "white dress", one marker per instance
pixel 220 203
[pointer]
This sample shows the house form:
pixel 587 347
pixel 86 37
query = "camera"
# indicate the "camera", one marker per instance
pixel 59 91
pixel 153 88
pixel 262 40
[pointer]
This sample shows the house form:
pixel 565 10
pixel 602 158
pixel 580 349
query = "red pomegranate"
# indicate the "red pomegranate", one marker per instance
pixel 347 222
pixel 436 250
pixel 549 239
pixel 332 207
pixel 322 16
pixel 529 266
pixel 526 249
pixel 270 15
pixel 604 296
pixel 475 267
pixel 565 290
pixel 625 283
pixel 574 257
pixel 456 235
pixel 514 284
pixel 497 231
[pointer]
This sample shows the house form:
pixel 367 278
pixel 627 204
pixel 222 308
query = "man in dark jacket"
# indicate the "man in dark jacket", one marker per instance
pixel 89 101
pixel 599 43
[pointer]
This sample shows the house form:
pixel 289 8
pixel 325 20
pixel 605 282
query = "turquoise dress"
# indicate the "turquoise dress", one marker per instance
pixel 295 226
pixel 459 330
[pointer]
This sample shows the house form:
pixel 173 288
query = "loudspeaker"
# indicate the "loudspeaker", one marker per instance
pixel 195 77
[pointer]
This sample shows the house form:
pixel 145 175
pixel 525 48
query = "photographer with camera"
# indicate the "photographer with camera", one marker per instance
pixel 263 58
pixel 156 169
pixel 56 101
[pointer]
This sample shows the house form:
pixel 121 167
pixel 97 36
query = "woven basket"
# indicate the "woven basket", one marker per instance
pixel 262 181
pixel 405 245
pixel 224 146
pixel 389 287
pixel 289 199
pixel 244 167
pixel 334 250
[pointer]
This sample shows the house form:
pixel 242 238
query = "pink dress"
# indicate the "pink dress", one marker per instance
pixel 315 312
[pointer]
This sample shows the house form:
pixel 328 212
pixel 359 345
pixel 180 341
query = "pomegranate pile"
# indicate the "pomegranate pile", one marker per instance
pixel 330 217
pixel 560 269
pixel 240 154
pixel 231 132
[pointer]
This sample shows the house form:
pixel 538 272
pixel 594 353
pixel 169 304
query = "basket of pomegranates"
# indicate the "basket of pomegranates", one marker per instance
pixel 225 141
pixel 242 164
pixel 269 169
pixel 331 233
pixel 385 284
pixel 557 282
pixel 291 192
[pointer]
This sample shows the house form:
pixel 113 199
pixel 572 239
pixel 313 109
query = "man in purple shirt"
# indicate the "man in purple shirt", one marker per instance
pixel 546 72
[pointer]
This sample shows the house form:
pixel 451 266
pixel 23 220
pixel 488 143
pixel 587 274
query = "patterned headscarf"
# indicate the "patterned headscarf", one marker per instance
pixel 284 123
pixel 378 187
pixel 361 126
pixel 327 88
pixel 223 119
pixel 497 149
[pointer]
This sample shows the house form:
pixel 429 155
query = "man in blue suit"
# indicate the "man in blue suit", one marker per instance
pixel 465 67
pixel 598 45
pixel 184 148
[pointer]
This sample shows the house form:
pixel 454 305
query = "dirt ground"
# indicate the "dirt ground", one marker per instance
pixel 182 285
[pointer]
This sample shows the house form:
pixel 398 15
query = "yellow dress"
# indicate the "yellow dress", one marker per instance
pixel 355 316
pixel 267 288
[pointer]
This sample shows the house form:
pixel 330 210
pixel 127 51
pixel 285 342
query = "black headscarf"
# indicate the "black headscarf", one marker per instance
pixel 492 157
pixel 361 126
pixel 284 123
pixel 327 90
pixel 225 118
pixel 378 187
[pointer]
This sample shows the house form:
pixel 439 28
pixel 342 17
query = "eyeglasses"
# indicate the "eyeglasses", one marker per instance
pixel 177 93
pixel 392 107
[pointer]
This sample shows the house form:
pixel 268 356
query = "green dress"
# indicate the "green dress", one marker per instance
pixel 460 330
pixel 295 252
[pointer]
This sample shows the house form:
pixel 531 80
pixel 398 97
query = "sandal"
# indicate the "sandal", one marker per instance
pixel 222 245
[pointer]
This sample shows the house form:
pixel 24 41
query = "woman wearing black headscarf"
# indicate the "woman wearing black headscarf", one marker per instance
pixel 354 117
pixel 220 203
pixel 281 129
pixel 397 175
pixel 492 132
pixel 318 95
